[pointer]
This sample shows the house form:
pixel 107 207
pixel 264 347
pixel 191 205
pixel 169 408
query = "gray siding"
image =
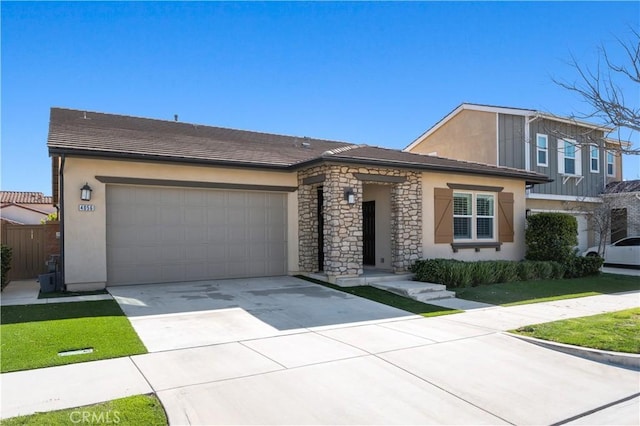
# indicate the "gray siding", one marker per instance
pixel 592 184
pixel 511 141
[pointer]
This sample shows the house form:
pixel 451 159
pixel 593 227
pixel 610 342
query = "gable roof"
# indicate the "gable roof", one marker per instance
pixel 504 110
pixel 80 133
pixel 21 197
pixel 24 207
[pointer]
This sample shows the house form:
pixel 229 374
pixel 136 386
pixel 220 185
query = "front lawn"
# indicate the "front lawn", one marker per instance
pixel 388 298
pixel 133 410
pixel 523 292
pixel 614 331
pixel 33 335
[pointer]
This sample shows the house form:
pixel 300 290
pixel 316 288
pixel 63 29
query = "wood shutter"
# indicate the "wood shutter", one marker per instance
pixel 443 215
pixel 505 217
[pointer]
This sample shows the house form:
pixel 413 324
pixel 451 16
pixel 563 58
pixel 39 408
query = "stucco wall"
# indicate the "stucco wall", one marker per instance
pixel 469 136
pixel 85 232
pixel 508 251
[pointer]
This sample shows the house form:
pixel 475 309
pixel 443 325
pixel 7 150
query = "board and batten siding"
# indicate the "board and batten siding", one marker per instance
pixel 511 141
pixel 592 183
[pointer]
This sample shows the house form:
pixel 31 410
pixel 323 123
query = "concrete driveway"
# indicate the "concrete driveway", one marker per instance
pixel 284 351
pixel 184 315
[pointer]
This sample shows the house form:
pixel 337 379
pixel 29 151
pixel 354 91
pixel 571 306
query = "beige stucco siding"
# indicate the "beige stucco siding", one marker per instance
pixel 509 251
pixel 469 136
pixel 85 231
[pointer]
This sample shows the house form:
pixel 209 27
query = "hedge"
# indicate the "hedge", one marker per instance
pixel 551 236
pixel 455 273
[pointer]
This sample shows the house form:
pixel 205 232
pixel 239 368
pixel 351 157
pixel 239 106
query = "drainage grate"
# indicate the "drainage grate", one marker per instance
pixel 76 352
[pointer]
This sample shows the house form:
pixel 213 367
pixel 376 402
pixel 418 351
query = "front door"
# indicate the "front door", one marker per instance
pixel 369 233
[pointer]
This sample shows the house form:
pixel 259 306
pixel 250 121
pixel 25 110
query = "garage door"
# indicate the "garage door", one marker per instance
pixel 159 234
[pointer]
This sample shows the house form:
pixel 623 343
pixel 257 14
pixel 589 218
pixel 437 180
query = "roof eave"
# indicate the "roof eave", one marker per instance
pixel 164 159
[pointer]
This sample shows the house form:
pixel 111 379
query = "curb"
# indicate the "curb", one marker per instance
pixel 620 359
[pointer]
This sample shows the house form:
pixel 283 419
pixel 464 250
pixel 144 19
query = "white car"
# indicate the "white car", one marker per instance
pixel 624 252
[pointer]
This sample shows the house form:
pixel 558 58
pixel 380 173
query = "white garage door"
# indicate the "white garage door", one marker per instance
pixel 160 234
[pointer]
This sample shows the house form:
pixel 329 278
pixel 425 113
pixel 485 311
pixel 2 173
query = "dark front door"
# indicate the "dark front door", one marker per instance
pixel 320 230
pixel 369 233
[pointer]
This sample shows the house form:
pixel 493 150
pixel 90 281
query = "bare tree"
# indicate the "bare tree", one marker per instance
pixel 602 88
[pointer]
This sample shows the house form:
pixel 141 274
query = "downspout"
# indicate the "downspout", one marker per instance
pixel 61 219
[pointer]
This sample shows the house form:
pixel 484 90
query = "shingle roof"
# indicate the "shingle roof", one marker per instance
pixel 76 132
pixel 20 197
pixel 624 186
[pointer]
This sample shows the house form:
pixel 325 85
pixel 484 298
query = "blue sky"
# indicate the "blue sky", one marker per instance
pixel 376 73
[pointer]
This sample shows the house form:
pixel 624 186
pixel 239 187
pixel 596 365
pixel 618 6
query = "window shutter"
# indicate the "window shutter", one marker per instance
pixel 505 217
pixel 443 215
pixel 560 143
pixel 579 160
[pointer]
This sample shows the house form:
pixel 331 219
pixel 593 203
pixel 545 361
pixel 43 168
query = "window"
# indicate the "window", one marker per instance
pixel 611 171
pixel 569 158
pixel 541 150
pixel 473 216
pixel 462 216
pixel 595 159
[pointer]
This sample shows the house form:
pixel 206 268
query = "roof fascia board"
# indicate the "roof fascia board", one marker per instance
pixel 472 107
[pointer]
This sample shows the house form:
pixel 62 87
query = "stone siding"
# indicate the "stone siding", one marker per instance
pixel 631 202
pixel 343 233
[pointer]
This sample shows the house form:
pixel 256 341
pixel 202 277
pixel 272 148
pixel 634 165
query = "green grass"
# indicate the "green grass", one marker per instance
pixel 390 299
pixel 523 292
pixel 32 335
pixel 133 410
pixel 614 331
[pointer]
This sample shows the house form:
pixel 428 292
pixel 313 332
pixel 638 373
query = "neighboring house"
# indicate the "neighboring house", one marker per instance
pixel 173 202
pixel 623 200
pixel 576 155
pixel 25 208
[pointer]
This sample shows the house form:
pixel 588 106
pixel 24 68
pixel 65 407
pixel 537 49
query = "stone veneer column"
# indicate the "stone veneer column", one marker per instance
pixel 342 224
pixel 406 222
pixel 308 221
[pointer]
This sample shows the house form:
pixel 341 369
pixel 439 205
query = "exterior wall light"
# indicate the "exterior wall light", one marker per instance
pixel 85 192
pixel 349 196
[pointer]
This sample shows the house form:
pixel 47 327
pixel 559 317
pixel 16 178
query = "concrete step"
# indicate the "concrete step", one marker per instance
pixel 415 289
pixel 370 279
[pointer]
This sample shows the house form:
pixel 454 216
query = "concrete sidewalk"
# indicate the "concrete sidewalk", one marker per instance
pixel 454 369
pixel 26 292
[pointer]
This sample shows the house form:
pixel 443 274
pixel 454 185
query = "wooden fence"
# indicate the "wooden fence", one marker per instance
pixel 31 246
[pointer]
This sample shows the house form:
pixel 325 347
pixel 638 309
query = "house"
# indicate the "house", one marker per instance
pixel 25 208
pixel 149 201
pixel 622 199
pixel 577 156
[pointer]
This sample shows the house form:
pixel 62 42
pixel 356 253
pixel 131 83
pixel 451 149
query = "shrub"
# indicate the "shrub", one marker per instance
pixel 578 266
pixel 551 236
pixel 457 274
pixel 6 264
pixel 527 270
pixel 557 270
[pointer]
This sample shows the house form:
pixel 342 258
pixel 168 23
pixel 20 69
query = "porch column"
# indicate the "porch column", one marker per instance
pixel 406 222
pixel 342 224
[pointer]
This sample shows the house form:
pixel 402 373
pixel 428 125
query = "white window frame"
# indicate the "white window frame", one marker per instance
pixel 474 216
pixel 594 149
pixel 612 163
pixel 539 150
pixel 562 143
